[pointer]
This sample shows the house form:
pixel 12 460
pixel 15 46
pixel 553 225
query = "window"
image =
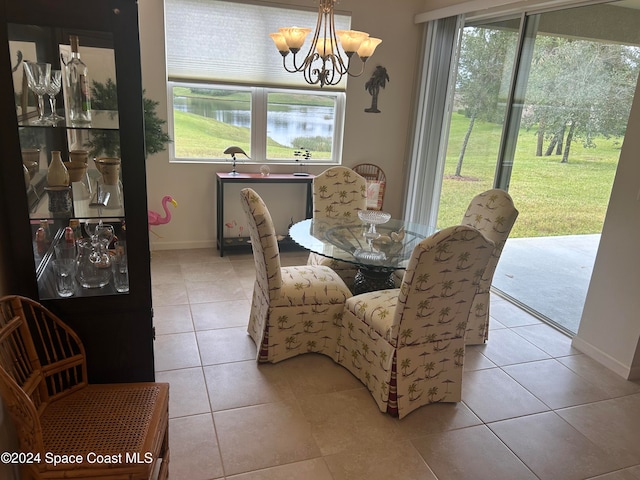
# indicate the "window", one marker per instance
pixel 232 89
pixel 547 95
pixel 271 125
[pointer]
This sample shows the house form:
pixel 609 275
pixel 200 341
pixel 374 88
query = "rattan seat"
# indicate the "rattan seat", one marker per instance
pixel 114 431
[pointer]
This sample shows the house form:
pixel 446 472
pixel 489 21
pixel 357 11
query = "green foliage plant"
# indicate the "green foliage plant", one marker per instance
pixel 104 96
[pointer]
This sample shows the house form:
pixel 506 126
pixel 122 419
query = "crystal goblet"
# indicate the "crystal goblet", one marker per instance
pixel 38 78
pixel 55 83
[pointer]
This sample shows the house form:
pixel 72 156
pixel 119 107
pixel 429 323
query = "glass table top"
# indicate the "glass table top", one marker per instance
pixel 352 240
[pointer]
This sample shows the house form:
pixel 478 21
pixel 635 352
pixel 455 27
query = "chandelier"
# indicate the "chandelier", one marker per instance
pixel 325 61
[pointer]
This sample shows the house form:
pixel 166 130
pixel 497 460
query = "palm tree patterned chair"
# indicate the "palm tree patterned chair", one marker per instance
pixel 338 192
pixel 294 310
pixel 406 345
pixel 44 386
pixel 493 213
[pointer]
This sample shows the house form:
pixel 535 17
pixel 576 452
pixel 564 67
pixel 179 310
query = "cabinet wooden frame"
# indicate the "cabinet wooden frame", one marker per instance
pixel 117 330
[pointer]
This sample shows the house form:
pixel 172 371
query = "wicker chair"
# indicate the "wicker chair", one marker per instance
pixel 110 431
pixel 376 181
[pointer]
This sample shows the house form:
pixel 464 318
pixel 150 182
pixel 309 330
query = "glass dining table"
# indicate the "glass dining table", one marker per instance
pixel 376 252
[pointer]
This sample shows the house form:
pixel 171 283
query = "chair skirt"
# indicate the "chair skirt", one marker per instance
pixel 306 317
pixel 402 377
pixel 478 322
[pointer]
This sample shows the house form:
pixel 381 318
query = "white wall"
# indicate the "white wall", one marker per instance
pixel 376 138
pixel 610 326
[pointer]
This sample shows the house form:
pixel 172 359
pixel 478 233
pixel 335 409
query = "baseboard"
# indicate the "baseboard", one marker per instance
pixel 626 372
pixel 160 245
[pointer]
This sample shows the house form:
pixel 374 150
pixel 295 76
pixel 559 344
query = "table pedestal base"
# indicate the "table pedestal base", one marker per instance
pixel 369 280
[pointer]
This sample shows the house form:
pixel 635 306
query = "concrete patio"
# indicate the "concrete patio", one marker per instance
pixel 548 275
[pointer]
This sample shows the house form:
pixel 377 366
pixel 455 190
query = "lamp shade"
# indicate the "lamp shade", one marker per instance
pixel 351 39
pixel 280 41
pixel 368 47
pixel 294 36
pixel 324 47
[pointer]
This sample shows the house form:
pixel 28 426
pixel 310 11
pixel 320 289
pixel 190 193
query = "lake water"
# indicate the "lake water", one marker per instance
pixel 284 122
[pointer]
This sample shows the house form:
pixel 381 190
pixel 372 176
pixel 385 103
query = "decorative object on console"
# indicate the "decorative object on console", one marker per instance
pixel 378 80
pixel 233 150
pixel 324 62
pixel 301 167
pixel 155 218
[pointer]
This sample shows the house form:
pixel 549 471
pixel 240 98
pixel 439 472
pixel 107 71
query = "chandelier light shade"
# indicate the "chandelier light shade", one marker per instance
pixel 329 56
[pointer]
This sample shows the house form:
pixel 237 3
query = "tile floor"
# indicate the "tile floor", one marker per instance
pixel 533 407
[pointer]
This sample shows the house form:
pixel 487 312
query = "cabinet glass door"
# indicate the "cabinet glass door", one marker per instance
pixel 71 163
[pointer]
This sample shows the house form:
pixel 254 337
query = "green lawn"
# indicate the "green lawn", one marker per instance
pixel 553 198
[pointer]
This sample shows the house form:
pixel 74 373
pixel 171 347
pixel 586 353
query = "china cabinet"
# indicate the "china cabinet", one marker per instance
pixel 98 206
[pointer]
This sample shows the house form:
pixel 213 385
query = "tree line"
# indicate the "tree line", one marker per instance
pixel 576 89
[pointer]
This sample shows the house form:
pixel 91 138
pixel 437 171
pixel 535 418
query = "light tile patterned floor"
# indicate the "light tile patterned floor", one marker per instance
pixel 533 407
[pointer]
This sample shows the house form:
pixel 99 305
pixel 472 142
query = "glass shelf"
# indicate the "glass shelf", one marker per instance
pixel 100 120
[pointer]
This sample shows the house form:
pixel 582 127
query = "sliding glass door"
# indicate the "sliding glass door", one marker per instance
pixel 540 109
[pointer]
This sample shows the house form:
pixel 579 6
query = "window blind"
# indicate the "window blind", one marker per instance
pixel 222 41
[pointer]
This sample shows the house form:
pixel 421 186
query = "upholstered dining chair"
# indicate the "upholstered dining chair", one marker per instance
pixel 376 184
pixel 338 192
pixel 493 213
pixel 296 309
pixel 43 383
pixel 406 345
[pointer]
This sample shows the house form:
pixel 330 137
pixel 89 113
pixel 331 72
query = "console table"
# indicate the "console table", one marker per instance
pixel 224 178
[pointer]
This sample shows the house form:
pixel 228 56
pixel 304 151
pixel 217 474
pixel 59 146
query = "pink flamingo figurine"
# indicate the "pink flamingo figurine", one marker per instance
pixel 154 218
pixel 230 225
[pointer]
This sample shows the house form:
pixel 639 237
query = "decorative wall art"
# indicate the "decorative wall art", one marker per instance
pixel 378 80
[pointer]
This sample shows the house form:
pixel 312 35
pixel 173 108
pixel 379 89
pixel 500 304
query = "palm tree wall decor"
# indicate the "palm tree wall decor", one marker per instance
pixel 378 80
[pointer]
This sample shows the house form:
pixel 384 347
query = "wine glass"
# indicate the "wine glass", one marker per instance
pixel 38 78
pixel 55 83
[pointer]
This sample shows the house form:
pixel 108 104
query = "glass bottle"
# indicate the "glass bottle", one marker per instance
pixel 78 93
